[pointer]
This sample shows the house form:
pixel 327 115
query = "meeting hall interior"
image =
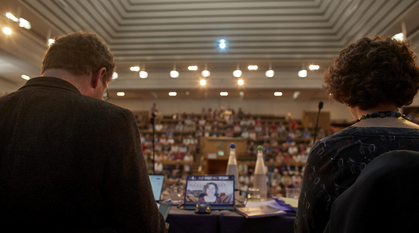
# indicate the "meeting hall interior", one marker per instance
pixel 199 75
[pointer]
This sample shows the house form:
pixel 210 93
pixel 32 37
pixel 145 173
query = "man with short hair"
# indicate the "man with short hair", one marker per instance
pixel 70 162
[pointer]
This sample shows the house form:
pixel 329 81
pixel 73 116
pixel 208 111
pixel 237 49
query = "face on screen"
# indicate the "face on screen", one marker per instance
pixel 212 192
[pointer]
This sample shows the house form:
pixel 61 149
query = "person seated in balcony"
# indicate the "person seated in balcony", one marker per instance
pixel 179 139
pixel 163 139
pixel 158 126
pixel 215 133
pixel 245 133
pixel 229 132
pixel 202 121
pixel 243 122
pixel 179 126
pixel 183 148
pixel 237 128
pixel 251 148
pixel 251 122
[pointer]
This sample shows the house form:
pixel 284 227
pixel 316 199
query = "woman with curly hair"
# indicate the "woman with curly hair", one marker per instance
pixel 374 77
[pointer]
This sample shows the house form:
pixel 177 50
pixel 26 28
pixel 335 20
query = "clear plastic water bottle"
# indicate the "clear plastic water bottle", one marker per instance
pixel 260 174
pixel 232 168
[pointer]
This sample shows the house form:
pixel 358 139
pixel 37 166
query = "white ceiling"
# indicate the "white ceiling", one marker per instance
pixel 156 34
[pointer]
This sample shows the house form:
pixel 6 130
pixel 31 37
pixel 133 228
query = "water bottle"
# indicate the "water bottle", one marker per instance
pixel 260 175
pixel 232 168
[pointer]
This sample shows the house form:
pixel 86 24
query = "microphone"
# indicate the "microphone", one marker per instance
pixel 317 123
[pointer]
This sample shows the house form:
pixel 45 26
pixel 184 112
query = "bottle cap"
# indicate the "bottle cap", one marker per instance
pixel 232 146
pixel 260 148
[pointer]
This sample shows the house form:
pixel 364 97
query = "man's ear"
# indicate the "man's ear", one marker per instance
pixel 96 76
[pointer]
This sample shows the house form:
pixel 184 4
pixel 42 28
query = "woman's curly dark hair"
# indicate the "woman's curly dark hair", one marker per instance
pixel 374 71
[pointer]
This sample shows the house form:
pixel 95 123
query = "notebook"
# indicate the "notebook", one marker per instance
pixel 157 185
pixel 217 191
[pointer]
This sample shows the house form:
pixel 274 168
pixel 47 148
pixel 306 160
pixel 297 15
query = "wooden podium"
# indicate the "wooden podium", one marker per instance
pixel 216 151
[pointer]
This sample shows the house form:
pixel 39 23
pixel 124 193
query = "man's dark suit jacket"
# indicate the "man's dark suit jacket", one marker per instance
pixel 69 162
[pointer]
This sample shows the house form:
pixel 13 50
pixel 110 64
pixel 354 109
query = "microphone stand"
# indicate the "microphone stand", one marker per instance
pixel 152 126
pixel 317 123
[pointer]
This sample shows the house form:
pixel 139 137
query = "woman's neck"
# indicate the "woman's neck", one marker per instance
pixel 358 113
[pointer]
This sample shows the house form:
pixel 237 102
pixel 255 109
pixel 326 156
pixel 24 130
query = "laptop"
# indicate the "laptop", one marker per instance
pixel 157 185
pixel 217 191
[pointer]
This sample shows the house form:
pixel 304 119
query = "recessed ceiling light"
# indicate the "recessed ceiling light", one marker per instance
pixel 237 73
pixel 134 68
pixel 278 93
pixel 240 82
pixel 302 73
pixel 50 42
pixel 252 67
pixel 314 67
pixel 120 93
pixel 205 73
pixel 7 31
pixel 23 23
pixel 11 16
pixel 172 93
pixel 174 74
pixel 193 68
pixel 143 74
pixel 24 76
pixel 398 36
pixel 203 82
pixel 115 75
pixel 269 73
pixel 222 44
pixel 224 93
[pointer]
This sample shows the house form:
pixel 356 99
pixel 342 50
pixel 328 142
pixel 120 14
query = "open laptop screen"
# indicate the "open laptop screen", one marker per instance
pixel 215 190
pixel 157 185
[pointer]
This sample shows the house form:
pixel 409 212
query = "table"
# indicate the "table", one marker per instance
pixel 225 221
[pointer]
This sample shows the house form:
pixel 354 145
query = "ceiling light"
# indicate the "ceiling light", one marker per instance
pixel 314 67
pixel 193 68
pixel 143 74
pixel 296 94
pixel 222 44
pixel 399 36
pixel 7 31
pixel 172 93
pixel 223 93
pixel 203 82
pixel 302 73
pixel 120 93
pixel 240 82
pixel 11 16
pixel 24 76
pixel 278 93
pixel 237 73
pixel 50 42
pixel 134 68
pixel 174 73
pixel 23 23
pixel 269 73
pixel 252 67
pixel 205 73
pixel 115 75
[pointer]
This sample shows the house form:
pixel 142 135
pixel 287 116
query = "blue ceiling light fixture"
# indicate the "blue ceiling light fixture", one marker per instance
pixel 222 44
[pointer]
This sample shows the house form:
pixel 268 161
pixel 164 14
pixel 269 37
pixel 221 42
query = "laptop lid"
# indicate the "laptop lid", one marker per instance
pixel 214 190
pixel 157 185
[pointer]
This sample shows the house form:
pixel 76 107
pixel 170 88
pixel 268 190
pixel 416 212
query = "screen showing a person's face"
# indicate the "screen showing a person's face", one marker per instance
pixel 211 190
